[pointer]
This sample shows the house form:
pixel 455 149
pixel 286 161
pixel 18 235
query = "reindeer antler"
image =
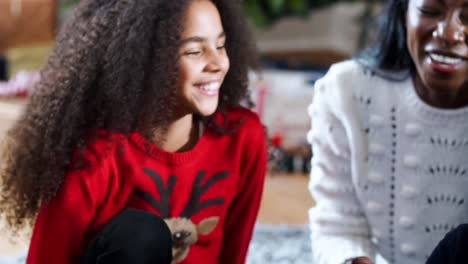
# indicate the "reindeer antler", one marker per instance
pixel 162 206
pixel 193 204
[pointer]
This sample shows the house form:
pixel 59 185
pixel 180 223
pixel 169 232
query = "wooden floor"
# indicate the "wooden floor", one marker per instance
pixel 285 198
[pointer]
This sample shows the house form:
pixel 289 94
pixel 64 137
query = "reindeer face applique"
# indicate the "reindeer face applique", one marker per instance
pixel 184 231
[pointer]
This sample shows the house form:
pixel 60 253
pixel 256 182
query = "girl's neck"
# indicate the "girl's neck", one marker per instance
pixel 181 135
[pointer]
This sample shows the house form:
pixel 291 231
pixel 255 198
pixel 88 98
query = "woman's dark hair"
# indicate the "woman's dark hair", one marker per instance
pixel 114 67
pixel 389 50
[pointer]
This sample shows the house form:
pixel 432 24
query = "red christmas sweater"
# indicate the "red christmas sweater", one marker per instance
pixel 217 186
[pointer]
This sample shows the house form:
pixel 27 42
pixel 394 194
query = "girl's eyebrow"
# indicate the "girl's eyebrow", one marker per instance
pixel 201 39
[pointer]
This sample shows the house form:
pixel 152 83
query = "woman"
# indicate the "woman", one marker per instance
pixel 389 171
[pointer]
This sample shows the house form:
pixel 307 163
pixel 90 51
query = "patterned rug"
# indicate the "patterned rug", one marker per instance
pixel 278 244
pixel 20 259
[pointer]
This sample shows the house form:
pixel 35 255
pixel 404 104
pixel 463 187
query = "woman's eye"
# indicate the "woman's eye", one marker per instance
pixel 431 12
pixel 464 17
pixel 221 47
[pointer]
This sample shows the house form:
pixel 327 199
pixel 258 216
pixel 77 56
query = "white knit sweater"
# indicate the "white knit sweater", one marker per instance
pixel 389 172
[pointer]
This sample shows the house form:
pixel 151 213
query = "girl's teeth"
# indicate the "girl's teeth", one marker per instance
pixel 445 59
pixel 210 87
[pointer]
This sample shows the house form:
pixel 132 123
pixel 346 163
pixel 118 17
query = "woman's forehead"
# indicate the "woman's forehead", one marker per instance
pixel 463 3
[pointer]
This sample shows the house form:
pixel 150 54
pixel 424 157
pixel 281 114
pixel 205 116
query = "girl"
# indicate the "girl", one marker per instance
pixel 136 120
pixel 389 171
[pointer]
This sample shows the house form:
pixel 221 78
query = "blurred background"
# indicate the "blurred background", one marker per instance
pixel 298 40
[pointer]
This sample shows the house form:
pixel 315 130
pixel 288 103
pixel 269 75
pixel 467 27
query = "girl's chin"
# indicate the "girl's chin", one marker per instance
pixel 207 107
pixel 206 111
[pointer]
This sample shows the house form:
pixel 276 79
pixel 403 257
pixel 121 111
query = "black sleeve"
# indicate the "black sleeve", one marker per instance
pixel 452 249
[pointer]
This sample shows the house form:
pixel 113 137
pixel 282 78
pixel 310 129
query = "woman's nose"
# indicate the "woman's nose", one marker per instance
pixel 450 31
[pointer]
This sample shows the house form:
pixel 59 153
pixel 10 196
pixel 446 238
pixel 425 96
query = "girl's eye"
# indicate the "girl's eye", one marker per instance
pixel 193 53
pixel 221 47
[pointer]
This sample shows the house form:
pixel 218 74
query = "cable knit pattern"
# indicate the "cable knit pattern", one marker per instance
pixel 389 172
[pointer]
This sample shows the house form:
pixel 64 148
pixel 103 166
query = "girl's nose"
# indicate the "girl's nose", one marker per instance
pixel 216 61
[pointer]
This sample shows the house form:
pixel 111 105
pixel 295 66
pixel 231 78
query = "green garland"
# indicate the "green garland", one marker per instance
pixel 263 13
pixel 65 5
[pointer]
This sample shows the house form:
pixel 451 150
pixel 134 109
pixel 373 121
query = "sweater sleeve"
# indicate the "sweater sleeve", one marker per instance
pixel 61 224
pixel 339 228
pixel 243 210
